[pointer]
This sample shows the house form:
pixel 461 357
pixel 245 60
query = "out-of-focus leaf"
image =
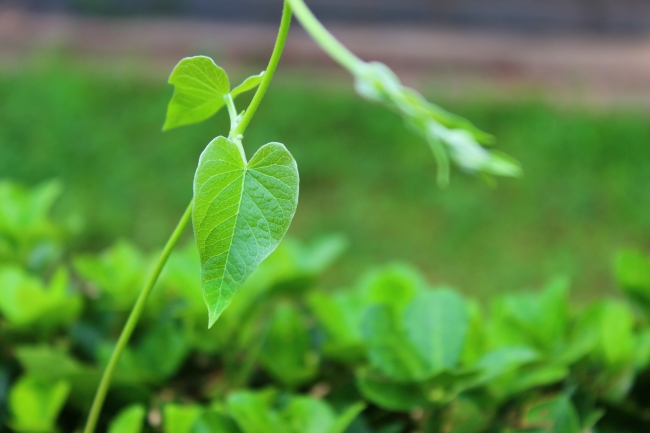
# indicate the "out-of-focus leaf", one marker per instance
pixel 287 352
pixel 51 365
pixel 502 361
pixel 155 358
pixel 309 415
pixel 554 416
pixel 436 325
pixel 389 350
pixel 463 416
pixel 214 422
pixel 252 412
pixel 475 345
pixel 180 418
pixel 340 315
pixel 537 320
pixel 200 91
pixel 25 302
pixel 633 273
pixel 28 236
pixel 394 286
pixel 390 395
pixel 118 273
pixel 35 405
pixel 129 420
pixel 347 417
pixel 242 210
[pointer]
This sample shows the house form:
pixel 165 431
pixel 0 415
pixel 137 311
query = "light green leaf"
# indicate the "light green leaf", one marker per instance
pixel 633 273
pixel 436 323
pixel 241 213
pixel 35 405
pixel 24 301
pixel 180 418
pixel 249 84
pixel 129 420
pixel 201 87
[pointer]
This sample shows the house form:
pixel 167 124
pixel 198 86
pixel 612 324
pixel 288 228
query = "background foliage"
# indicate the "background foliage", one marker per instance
pixel 579 201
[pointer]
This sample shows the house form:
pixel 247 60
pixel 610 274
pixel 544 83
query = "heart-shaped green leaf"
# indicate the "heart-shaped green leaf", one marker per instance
pixel 201 86
pixel 242 210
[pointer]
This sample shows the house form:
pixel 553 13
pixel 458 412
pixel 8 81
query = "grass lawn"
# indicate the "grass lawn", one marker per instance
pixel 584 195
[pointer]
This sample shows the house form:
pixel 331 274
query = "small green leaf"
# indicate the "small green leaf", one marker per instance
pixel 241 213
pixel 201 86
pixel 249 84
pixel 129 420
pixel 35 404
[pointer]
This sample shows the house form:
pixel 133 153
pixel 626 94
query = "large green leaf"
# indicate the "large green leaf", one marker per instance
pixel 201 87
pixel 242 210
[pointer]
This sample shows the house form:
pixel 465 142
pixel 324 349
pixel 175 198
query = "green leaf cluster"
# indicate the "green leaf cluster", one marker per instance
pixel 390 353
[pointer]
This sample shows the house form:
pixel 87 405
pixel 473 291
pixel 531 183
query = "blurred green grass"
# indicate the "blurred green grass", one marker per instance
pixel 584 195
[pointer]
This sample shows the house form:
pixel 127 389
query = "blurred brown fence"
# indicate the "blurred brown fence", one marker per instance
pixel 603 16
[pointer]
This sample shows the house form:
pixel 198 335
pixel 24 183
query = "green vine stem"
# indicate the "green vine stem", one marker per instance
pixel 270 71
pixel 237 131
pixel 131 323
pixel 324 38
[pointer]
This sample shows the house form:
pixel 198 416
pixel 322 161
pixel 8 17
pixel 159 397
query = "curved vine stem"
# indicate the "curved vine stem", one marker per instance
pixel 324 38
pixel 237 129
pixel 270 71
pixel 131 323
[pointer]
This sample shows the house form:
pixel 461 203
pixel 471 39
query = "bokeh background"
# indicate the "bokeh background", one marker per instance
pixel 563 84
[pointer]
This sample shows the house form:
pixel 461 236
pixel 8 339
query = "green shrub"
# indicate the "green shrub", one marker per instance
pixel 388 354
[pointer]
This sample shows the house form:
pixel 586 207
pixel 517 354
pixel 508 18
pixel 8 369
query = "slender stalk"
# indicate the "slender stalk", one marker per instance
pixel 270 71
pixel 237 129
pixel 129 327
pixel 324 38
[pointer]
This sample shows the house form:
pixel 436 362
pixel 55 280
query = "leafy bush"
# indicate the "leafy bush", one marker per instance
pixel 388 354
